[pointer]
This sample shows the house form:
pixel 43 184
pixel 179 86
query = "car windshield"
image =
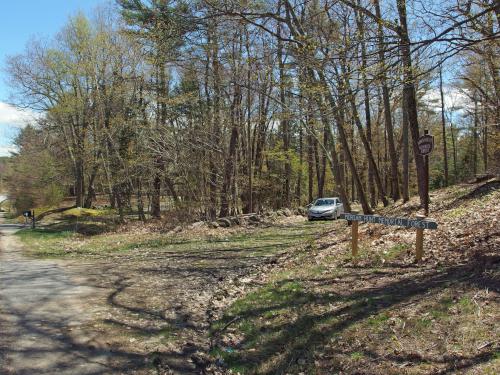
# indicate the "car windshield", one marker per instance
pixel 324 202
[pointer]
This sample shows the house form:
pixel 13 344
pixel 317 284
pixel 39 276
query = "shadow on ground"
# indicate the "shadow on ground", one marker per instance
pixel 317 317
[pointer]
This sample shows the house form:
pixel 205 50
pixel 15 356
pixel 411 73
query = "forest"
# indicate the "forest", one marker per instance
pixel 211 108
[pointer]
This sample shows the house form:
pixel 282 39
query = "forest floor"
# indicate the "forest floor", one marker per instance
pixel 287 298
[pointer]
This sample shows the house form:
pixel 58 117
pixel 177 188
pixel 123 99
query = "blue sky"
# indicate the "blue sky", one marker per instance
pixel 21 20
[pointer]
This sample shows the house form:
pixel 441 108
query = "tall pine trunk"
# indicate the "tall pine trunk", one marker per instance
pixel 387 108
pixel 410 99
pixel 406 153
pixel 443 125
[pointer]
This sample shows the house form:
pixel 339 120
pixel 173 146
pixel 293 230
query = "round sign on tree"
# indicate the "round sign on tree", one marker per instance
pixel 425 144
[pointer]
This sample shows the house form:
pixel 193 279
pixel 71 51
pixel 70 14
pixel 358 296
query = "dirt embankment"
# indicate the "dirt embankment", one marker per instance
pixel 320 311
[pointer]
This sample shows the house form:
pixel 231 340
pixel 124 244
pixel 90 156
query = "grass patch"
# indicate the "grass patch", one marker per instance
pixel 257 243
pixel 441 309
pixel 394 251
pixel 79 212
pixel 44 242
pixel 262 317
pixel 271 296
pixel 356 356
pixel 458 212
pixel 293 317
pixel 40 234
pixel 378 321
pixel 466 305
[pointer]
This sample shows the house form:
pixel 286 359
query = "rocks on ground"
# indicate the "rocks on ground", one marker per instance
pixel 284 216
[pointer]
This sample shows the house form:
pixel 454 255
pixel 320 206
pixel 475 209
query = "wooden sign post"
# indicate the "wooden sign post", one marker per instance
pixel 354 236
pixel 419 248
pixel 425 147
pixel 420 223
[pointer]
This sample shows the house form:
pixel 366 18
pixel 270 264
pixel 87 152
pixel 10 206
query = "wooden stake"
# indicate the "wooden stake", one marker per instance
pixel 354 229
pixel 354 236
pixel 419 250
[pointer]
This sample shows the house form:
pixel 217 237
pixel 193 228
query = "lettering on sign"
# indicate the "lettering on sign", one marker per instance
pixel 397 221
pixel 425 144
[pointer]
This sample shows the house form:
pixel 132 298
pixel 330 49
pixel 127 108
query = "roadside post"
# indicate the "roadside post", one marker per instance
pixel 419 246
pixel 425 147
pixel 33 220
pixel 420 223
pixel 27 215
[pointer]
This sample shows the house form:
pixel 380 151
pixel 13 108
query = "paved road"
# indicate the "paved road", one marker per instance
pixel 40 315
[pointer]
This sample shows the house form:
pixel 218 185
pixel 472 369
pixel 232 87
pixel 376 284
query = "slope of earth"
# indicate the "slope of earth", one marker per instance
pixel 322 312
pixel 159 291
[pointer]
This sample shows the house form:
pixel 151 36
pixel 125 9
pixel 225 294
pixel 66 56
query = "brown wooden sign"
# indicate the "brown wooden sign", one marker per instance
pixel 421 223
pixel 425 144
pixel 397 221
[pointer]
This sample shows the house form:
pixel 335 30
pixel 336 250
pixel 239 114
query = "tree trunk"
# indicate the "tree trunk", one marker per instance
pixel 338 112
pixel 284 120
pixel 140 202
pixel 216 127
pixel 368 149
pixel 301 164
pixel 230 159
pixel 366 93
pixel 485 140
pixel 248 207
pixel 333 159
pixel 79 183
pixel 475 137
pixel 90 186
pixel 443 124
pixel 155 197
pixel 317 165
pixel 454 149
pixel 171 188
pixel 387 109
pixel 310 164
pixel 411 100
pixel 406 153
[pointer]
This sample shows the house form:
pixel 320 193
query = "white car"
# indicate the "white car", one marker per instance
pixel 325 208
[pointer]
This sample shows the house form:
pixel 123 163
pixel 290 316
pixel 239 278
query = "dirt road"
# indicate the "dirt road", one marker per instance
pixel 40 315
